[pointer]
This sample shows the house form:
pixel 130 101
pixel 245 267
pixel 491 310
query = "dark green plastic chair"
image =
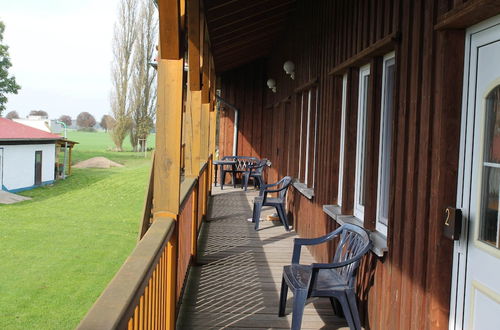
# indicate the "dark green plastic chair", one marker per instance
pixel 277 202
pixel 334 280
pixel 255 172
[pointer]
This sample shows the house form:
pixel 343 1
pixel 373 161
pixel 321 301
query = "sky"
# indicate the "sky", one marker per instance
pixel 61 55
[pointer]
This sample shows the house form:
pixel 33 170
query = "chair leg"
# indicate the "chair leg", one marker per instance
pixel 234 179
pixel 282 216
pixel 347 310
pixel 337 309
pixel 351 299
pixel 256 214
pixel 299 303
pixel 245 181
pixel 283 296
pixel 222 178
pixel 258 182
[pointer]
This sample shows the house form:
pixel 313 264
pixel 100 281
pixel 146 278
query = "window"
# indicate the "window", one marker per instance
pixel 359 187
pixel 307 103
pixel 489 231
pixel 384 166
pixel 342 139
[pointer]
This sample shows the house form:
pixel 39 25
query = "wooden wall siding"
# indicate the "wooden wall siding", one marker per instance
pixel 410 287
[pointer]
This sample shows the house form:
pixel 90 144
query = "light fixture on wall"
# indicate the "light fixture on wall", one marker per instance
pixel 289 68
pixel 271 83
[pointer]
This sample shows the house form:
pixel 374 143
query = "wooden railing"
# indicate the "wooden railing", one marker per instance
pixel 140 295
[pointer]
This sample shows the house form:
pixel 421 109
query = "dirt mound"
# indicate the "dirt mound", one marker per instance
pixel 97 162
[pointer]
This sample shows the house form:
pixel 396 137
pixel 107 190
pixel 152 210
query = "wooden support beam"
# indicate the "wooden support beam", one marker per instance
pixel 213 129
pixel 169 13
pixel 193 19
pixel 168 138
pixel 193 127
pixel 205 91
pixel 205 131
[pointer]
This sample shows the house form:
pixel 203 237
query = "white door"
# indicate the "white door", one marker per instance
pixel 476 295
pixel 1 168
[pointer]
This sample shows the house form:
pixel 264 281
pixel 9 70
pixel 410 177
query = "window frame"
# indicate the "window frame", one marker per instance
pixel 385 144
pixel 364 72
pixel 342 139
pixel 308 134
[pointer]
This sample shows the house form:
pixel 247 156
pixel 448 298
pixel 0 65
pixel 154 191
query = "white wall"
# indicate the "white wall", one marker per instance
pixel 19 165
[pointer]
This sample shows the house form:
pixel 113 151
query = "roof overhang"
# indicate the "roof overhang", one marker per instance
pixel 27 141
pixel 242 31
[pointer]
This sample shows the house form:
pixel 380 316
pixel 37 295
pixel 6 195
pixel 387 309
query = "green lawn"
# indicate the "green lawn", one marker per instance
pixel 60 250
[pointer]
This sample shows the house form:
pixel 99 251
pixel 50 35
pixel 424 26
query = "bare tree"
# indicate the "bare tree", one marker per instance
pixel 107 122
pixel 12 115
pixel 40 113
pixel 143 97
pixel 123 47
pixel 85 120
pixel 66 119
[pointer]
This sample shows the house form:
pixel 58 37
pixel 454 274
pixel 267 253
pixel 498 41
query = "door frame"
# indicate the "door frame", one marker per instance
pixel 464 178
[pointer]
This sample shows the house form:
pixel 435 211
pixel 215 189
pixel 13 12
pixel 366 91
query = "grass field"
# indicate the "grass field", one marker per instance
pixel 60 250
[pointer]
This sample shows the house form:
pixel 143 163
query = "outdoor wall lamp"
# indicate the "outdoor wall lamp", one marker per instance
pixel 271 83
pixel 289 68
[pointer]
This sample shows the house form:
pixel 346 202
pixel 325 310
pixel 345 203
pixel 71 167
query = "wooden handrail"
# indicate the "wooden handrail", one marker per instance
pixel 115 306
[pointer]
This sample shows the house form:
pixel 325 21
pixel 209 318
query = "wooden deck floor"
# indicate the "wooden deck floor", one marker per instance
pixel 236 283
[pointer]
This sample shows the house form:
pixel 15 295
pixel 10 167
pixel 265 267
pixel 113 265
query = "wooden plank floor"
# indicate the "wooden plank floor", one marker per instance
pixel 236 283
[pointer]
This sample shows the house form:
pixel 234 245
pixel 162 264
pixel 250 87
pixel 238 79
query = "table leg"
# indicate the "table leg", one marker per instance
pixel 215 176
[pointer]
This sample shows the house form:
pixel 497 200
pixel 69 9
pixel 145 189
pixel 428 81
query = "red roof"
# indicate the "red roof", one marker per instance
pixel 10 130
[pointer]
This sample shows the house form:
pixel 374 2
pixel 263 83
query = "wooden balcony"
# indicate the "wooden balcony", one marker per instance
pixel 236 280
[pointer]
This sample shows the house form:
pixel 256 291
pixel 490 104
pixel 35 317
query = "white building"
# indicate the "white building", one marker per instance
pixel 27 156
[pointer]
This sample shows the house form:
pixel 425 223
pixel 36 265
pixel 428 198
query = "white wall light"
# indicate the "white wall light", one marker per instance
pixel 289 68
pixel 271 83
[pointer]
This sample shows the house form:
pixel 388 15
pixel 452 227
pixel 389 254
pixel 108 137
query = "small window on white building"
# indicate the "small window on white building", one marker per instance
pixel 384 166
pixel 342 140
pixel 359 187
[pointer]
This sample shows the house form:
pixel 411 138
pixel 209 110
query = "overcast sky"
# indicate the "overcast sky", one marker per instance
pixel 61 54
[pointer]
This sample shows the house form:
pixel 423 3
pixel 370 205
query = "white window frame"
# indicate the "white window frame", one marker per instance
pixel 384 145
pixel 364 71
pixel 308 132
pixel 342 140
pixel 301 136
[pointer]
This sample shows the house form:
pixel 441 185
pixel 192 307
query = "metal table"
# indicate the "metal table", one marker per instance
pixel 222 163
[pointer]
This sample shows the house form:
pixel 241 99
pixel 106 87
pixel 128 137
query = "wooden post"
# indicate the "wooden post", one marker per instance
pixel 70 160
pixel 205 127
pixel 169 13
pixel 192 134
pixel 168 138
pixel 167 163
pixel 193 19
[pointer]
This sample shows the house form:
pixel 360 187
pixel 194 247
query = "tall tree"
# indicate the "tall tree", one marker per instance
pixel 123 47
pixel 8 84
pixel 143 97
pixel 12 115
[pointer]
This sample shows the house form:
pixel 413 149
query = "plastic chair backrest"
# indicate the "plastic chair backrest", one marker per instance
pixel 353 244
pixel 285 182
